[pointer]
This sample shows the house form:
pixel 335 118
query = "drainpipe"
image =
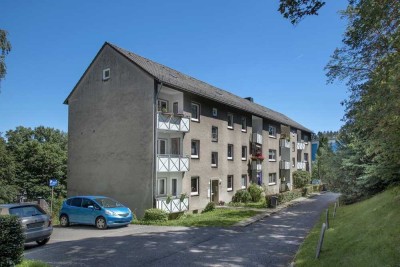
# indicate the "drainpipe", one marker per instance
pixel 159 85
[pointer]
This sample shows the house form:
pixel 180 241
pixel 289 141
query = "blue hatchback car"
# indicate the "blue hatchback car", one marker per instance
pixel 100 211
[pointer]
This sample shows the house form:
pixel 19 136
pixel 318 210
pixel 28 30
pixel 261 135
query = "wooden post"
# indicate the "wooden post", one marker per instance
pixel 321 240
pixel 334 210
pixel 327 218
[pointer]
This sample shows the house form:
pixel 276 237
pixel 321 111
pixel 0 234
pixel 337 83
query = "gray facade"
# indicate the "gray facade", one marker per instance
pixel 131 137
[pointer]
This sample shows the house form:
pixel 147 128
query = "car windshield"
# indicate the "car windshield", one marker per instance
pixel 26 211
pixel 108 203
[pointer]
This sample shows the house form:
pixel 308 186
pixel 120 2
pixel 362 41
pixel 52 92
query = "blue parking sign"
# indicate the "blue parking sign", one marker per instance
pixel 53 182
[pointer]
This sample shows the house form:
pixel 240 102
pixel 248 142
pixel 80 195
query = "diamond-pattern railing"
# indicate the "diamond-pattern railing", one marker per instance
pixel 172 163
pixel 174 205
pixel 172 122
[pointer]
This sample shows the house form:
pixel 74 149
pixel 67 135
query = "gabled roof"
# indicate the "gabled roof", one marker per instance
pixel 186 83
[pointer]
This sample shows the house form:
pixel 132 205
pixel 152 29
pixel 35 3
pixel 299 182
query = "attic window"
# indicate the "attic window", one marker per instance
pixel 106 74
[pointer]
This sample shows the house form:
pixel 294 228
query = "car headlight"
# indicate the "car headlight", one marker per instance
pixel 129 210
pixel 109 212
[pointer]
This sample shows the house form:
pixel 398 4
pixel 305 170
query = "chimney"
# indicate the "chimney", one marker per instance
pixel 249 98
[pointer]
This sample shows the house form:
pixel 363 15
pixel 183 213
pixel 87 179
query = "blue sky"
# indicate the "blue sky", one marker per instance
pixel 245 47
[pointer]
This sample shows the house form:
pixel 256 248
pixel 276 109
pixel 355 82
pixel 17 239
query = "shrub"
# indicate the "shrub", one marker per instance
pixel 11 241
pixel 255 192
pixel 288 196
pixel 209 207
pixel 242 196
pixel 301 179
pixel 155 215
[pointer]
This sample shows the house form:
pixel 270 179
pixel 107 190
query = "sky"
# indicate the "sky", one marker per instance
pixel 245 47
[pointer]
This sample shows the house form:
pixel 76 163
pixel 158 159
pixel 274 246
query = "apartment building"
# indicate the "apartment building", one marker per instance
pixel 151 136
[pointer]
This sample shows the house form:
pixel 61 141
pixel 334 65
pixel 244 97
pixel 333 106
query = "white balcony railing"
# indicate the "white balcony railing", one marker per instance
pixel 285 143
pixel 172 163
pixel 284 165
pixel 172 122
pixel 301 165
pixel 256 166
pixel 301 145
pixel 256 138
pixel 174 205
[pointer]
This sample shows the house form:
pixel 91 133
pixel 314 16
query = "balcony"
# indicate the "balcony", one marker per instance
pixel 255 166
pixel 301 145
pixel 171 122
pixel 284 165
pixel 174 205
pixel 256 138
pixel 172 163
pixel 301 165
pixel 285 143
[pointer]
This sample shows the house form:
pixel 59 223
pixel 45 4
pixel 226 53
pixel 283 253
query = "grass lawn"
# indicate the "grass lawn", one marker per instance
pixel 255 205
pixel 217 217
pixel 31 263
pixel 362 234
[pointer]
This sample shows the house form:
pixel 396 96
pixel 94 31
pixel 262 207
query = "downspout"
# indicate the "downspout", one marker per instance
pixel 158 85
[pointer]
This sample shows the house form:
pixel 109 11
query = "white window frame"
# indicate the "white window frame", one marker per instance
pixel 273 128
pixel 194 193
pixel 165 186
pixel 198 112
pixel 214 165
pixel 230 120
pixel 273 153
pixel 195 156
pixel 213 139
pixel 272 175
pixel 245 153
pixel 230 158
pixel 227 183
pixel 159 141
pixel 243 181
pixel 244 130
pixel 105 76
pixel 215 112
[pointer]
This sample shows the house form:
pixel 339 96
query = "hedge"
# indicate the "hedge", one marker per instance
pixel 155 215
pixel 284 197
pixel 12 241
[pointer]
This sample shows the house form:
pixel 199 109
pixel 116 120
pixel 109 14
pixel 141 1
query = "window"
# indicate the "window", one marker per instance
pixel 293 162
pixel 230 151
pixel 272 178
pixel 230 183
pixel 306 157
pixel 161 186
pixel 195 154
pixel 195 112
pixel 175 146
pixel 194 184
pixel 162 105
pixel 272 155
pixel 106 74
pixel 76 202
pixel 214 134
pixel 244 181
pixel 214 159
pixel 306 138
pixel 215 112
pixel 244 125
pixel 293 147
pixel 87 202
pixel 272 131
pixel 162 147
pixel 174 187
pixel 230 121
pixel 175 108
pixel 244 152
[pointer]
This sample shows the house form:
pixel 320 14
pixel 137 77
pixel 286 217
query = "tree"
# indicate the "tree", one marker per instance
pixel 8 189
pixel 5 47
pixel 295 10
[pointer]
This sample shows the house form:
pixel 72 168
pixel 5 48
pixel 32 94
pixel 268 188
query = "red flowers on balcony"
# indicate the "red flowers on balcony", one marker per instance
pixel 258 156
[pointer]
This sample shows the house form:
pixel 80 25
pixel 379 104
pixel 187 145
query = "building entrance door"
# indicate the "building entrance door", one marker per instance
pixel 215 191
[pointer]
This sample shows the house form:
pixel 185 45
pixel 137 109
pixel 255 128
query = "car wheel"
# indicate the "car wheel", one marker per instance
pixel 43 241
pixel 101 223
pixel 64 221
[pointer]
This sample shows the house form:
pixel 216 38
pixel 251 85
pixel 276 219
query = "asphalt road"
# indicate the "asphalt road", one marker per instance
pixel 273 241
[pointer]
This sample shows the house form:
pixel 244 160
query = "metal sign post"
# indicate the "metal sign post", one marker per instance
pixel 52 184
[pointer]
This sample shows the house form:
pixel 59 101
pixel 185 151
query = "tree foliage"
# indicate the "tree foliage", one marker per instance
pixel 296 10
pixel 5 48
pixel 29 158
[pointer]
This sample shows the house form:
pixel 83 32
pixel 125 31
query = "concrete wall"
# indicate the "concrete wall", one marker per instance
pixel 111 133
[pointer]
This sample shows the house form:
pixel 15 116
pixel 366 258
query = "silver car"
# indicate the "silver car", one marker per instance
pixel 36 223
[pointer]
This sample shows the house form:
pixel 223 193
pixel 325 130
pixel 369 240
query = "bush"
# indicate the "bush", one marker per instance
pixel 155 215
pixel 11 241
pixel 210 207
pixel 289 195
pixel 242 196
pixel 255 192
pixel 301 179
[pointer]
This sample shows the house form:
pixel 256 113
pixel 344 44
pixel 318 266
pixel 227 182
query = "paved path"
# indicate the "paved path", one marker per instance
pixel 272 241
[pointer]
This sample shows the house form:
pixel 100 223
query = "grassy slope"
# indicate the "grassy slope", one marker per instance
pixel 363 234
